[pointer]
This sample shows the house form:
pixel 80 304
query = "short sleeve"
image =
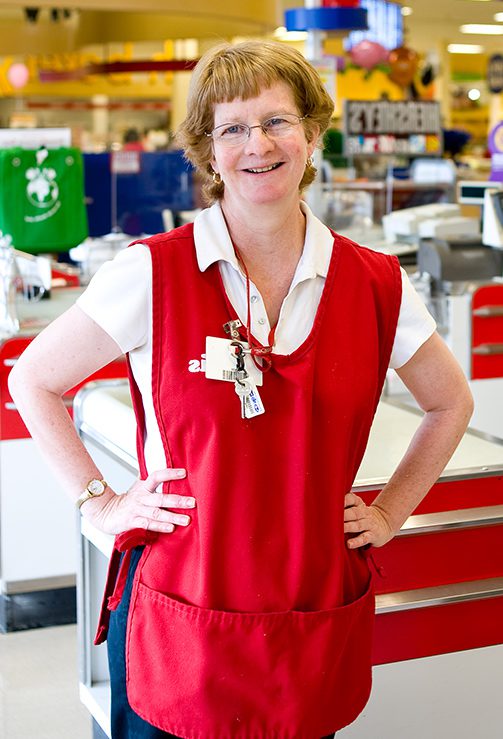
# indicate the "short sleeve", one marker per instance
pixel 118 298
pixel 415 325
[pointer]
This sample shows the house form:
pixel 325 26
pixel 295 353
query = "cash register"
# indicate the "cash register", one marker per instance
pixel 437 220
pixel 473 257
pixel 492 234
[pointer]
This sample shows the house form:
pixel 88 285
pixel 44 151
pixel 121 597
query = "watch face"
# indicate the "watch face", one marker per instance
pixel 96 487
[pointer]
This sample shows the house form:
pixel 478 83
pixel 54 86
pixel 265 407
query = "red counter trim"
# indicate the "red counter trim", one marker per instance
pixel 11 424
pixel 424 632
pixel 453 495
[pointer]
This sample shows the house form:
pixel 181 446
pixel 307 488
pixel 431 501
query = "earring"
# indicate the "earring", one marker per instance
pixel 216 178
pixel 309 162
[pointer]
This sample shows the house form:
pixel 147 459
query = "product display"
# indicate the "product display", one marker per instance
pixel 42 206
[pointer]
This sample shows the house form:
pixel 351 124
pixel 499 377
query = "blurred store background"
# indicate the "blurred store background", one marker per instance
pixel 109 73
pixel 91 94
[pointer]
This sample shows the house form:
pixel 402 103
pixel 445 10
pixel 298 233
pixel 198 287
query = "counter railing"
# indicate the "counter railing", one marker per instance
pixel 443 572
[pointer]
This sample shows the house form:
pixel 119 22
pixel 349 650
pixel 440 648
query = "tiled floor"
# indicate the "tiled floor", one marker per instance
pixel 39 686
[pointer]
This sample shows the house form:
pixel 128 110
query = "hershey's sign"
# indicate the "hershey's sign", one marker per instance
pixel 382 127
pixel 368 117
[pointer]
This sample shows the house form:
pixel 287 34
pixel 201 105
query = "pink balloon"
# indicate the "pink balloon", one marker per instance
pixel 18 75
pixel 367 54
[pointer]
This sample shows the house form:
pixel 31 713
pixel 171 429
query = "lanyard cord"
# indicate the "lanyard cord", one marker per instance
pixel 256 349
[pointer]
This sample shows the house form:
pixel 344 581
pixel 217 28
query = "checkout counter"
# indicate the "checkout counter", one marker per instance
pixel 37 582
pixel 438 651
pixel 459 273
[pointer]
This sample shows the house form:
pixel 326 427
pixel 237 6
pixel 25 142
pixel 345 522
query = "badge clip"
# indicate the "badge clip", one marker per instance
pixel 231 328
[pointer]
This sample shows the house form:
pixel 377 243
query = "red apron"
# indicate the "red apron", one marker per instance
pixel 255 621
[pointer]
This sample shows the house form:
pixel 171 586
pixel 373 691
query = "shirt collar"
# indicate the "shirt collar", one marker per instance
pixel 317 251
pixel 214 244
pixel 212 239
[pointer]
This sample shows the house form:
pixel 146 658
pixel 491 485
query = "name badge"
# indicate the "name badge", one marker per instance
pixel 221 361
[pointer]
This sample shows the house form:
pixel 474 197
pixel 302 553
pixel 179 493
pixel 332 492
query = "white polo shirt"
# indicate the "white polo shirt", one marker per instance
pixel 118 299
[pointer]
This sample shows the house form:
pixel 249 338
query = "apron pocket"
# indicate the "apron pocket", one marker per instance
pixel 206 674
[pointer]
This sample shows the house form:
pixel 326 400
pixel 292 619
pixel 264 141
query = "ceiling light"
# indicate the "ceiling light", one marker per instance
pixel 406 10
pixel 283 35
pixel 482 28
pixel 474 94
pixel 465 49
pixel 498 17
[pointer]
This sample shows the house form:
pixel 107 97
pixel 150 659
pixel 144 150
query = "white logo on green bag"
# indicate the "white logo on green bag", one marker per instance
pixel 43 192
pixel 42 189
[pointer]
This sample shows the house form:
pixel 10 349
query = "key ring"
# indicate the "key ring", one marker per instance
pixel 243 351
pixel 240 361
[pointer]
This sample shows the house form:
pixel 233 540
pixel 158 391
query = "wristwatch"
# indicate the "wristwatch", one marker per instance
pixel 94 489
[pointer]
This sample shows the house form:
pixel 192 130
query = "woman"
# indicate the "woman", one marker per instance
pixel 242 605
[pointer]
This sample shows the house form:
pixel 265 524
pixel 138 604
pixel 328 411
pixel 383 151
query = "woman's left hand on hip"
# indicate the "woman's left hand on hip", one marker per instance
pixel 368 524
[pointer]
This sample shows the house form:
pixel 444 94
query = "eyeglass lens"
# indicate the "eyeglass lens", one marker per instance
pixel 236 133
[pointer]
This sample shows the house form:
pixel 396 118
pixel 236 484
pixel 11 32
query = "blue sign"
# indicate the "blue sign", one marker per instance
pixel 325 19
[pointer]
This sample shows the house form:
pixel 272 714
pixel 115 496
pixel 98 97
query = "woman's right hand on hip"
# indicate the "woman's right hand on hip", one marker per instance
pixel 142 507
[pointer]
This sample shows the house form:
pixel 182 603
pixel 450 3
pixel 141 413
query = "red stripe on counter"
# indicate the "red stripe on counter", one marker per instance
pixel 423 632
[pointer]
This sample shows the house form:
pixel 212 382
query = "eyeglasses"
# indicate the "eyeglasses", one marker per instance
pixel 275 127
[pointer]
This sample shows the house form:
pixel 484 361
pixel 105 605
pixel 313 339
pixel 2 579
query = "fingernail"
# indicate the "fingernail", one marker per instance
pixel 185 520
pixel 179 473
pixel 191 502
pixel 170 528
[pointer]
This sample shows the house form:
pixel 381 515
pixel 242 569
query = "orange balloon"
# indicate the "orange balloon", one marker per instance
pixel 403 63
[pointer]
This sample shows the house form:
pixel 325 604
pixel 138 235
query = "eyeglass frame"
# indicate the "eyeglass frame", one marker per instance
pixel 258 125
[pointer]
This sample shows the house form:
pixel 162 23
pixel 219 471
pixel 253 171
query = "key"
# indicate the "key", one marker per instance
pixel 251 402
pixel 243 390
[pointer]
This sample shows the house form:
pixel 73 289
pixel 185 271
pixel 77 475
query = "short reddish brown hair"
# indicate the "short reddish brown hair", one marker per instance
pixel 243 70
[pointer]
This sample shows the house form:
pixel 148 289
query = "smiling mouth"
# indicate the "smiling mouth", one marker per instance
pixel 259 170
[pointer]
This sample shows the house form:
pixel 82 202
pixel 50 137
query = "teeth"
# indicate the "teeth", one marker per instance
pixel 263 169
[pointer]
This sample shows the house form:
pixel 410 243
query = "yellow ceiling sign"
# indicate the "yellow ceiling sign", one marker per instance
pixel 83 73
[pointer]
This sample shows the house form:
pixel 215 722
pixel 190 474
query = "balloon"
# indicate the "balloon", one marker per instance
pixel 18 75
pixel 403 63
pixel 428 75
pixel 367 54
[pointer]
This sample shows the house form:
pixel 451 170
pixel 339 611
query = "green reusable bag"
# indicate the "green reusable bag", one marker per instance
pixel 42 198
